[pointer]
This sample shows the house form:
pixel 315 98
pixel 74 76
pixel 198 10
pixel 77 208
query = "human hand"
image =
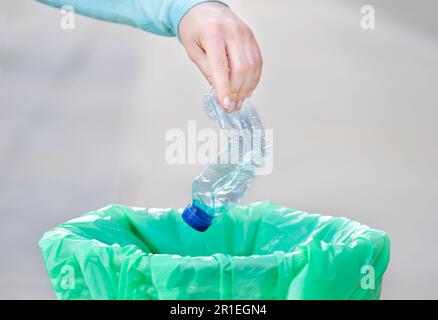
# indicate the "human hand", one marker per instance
pixel 224 49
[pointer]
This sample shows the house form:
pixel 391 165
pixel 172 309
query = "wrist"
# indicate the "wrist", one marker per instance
pixel 182 7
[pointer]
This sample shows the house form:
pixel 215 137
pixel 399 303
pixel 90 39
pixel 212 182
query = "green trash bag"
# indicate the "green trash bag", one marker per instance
pixel 259 251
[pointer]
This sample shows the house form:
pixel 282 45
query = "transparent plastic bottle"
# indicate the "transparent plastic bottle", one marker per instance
pixel 224 181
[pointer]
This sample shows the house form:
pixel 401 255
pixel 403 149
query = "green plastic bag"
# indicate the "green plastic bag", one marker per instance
pixel 259 251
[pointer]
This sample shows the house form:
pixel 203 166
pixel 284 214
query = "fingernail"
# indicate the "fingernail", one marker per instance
pixel 233 105
pixel 227 102
pixel 239 105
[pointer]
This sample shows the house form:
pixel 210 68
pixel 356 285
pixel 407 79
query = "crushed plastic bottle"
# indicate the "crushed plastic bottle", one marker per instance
pixel 225 180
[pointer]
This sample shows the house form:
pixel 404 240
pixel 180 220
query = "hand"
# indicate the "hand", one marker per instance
pixel 224 49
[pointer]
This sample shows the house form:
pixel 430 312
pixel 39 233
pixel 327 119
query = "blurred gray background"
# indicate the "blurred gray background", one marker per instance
pixel 83 115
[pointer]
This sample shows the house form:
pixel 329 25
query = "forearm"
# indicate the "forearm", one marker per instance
pixel 156 16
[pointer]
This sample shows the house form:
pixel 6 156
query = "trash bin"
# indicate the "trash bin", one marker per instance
pixel 259 251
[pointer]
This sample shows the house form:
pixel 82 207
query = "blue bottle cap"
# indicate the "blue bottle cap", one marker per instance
pixel 197 218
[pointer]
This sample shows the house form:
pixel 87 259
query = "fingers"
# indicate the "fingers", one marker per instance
pixel 230 59
pixel 239 67
pixel 218 63
pixel 245 62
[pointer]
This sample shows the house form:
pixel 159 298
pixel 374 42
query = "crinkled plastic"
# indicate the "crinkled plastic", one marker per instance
pixel 224 182
pixel 259 251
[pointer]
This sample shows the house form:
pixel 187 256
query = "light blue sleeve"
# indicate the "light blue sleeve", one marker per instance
pixel 157 16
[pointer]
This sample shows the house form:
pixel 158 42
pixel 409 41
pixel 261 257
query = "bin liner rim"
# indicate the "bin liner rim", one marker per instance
pixel 315 256
pixel 361 231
